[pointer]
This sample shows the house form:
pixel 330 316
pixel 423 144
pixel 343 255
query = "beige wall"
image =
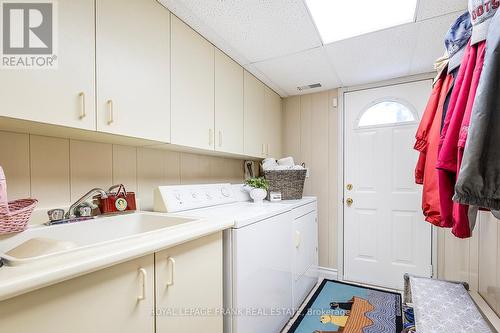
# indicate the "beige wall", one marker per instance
pixel 310 136
pixel 58 171
pixel 475 260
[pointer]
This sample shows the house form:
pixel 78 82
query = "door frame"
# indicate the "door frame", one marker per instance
pixel 341 164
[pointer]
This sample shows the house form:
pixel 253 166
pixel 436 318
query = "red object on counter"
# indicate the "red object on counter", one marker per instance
pixel 119 201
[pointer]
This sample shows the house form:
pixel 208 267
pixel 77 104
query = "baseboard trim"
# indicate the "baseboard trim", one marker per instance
pixel 328 273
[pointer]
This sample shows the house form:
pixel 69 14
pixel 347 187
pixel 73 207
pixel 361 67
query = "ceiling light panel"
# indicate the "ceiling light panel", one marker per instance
pixel 337 20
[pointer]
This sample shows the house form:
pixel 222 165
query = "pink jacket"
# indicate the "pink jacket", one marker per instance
pixel 453 140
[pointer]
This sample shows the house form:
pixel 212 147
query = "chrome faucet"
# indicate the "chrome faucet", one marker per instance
pixel 71 211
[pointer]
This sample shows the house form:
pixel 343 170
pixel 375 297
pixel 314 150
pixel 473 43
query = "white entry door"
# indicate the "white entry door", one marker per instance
pixel 385 234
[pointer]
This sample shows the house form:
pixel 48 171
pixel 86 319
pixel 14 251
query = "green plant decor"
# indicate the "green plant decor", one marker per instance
pixel 258 182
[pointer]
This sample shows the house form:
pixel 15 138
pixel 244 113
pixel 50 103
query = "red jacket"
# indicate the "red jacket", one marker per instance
pixel 427 141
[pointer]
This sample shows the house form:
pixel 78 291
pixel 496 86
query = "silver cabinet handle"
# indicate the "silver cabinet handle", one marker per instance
pixel 83 112
pixel 110 110
pixel 263 149
pixel 171 261
pixel 144 276
pixel 267 149
pixel 220 138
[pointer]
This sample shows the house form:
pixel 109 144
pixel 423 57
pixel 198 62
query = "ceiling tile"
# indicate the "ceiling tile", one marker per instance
pixel 258 30
pixel 301 69
pixel 374 57
pixel 266 79
pixel 433 8
pixel 430 42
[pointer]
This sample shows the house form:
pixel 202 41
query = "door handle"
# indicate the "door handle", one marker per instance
pixel 349 202
pixel 171 261
pixel 144 276
pixel 110 110
pixel 83 111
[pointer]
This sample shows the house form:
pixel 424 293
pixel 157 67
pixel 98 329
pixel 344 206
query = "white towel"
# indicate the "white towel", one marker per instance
pixel 269 164
pixel 287 161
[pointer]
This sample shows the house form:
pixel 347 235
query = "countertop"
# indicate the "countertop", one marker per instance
pixel 17 280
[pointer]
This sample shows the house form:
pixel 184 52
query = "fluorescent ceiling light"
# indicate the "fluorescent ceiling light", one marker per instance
pixel 341 19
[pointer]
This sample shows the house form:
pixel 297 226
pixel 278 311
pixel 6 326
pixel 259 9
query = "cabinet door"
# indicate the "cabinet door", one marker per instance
pixel 189 278
pixel 61 96
pixel 305 261
pixel 119 299
pixel 254 105
pixel 272 124
pixel 192 88
pixel 228 104
pixel 133 68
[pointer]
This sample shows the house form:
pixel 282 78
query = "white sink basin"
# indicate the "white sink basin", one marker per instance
pixel 43 242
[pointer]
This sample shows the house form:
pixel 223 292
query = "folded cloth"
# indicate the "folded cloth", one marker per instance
pixel 270 160
pixel 269 163
pixel 287 161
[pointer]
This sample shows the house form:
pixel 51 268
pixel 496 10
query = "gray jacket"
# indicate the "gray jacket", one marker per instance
pixel 478 183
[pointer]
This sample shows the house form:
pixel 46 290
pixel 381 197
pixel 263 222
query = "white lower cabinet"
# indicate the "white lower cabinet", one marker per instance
pixel 118 299
pixel 189 282
pixel 305 254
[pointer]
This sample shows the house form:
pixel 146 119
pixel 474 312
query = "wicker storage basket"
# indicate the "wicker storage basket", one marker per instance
pixel 290 183
pixel 15 216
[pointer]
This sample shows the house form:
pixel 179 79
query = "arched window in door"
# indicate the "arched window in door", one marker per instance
pixel 387 112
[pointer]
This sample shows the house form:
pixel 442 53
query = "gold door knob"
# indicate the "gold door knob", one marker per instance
pixel 349 202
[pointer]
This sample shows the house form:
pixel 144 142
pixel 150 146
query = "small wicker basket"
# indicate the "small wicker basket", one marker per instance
pixel 290 183
pixel 15 216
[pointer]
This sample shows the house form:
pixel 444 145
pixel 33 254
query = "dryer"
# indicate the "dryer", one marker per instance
pixel 268 253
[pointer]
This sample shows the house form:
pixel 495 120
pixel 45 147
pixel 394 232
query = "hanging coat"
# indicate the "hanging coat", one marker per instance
pixel 453 138
pixel 427 140
pixel 479 180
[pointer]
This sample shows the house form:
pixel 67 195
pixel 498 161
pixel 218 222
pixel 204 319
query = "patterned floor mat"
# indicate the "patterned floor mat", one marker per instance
pixel 347 308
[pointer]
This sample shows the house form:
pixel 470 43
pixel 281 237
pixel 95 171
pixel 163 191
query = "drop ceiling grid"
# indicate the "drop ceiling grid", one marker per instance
pixel 299 69
pixel 277 41
pixel 259 30
pixel 374 57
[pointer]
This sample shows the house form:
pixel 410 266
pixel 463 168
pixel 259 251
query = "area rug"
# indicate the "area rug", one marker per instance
pixel 348 308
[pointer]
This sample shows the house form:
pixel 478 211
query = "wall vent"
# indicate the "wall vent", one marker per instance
pixel 311 86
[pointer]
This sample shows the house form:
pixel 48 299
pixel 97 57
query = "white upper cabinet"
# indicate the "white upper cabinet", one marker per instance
pixel 63 95
pixel 272 123
pixel 255 143
pixel 192 88
pixel 133 68
pixel 228 104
